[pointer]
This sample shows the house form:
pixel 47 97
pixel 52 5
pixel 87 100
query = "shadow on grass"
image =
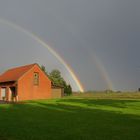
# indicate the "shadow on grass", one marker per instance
pixel 41 120
pixel 102 102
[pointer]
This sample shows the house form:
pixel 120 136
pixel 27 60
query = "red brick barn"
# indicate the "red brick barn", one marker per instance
pixel 25 83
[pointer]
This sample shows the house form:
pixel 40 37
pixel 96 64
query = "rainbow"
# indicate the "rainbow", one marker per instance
pixel 102 71
pixel 52 51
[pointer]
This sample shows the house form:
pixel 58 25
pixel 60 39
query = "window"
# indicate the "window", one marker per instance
pixel 36 78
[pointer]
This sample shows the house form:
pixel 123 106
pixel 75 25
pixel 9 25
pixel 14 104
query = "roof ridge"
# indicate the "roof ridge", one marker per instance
pixel 14 74
pixel 20 66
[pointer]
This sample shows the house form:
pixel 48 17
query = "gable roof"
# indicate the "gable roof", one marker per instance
pixel 15 73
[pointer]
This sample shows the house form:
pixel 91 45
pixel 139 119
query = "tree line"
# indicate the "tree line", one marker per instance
pixel 57 80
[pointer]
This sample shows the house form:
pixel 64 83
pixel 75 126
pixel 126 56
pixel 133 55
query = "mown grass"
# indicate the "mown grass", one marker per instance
pixel 104 95
pixel 71 119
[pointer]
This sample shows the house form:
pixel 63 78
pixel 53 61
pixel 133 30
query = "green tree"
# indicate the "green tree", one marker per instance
pixel 44 70
pixel 68 89
pixel 58 80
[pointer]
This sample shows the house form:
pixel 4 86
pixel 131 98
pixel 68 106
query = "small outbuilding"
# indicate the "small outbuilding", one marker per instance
pixel 57 91
pixel 25 83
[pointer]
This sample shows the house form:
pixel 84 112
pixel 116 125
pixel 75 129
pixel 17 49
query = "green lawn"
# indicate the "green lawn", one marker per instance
pixel 71 119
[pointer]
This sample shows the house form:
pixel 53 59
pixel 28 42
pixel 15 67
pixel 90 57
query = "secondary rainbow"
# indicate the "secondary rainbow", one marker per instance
pixel 103 72
pixel 52 51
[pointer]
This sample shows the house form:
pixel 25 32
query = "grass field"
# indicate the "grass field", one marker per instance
pixel 73 118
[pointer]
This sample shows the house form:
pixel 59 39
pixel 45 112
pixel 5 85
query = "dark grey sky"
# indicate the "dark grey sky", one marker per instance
pixel 78 30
